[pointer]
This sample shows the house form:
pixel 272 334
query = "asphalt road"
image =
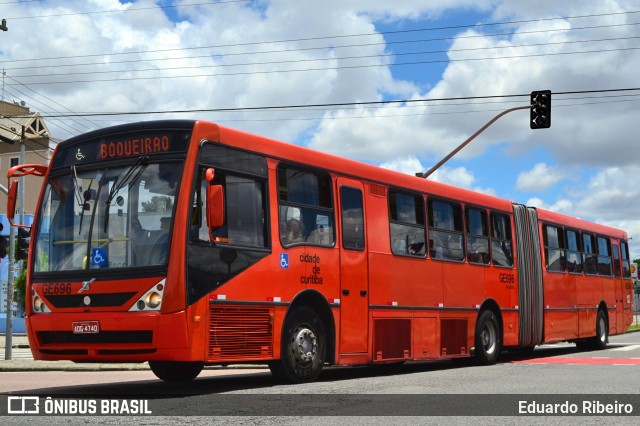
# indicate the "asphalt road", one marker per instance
pixel 379 395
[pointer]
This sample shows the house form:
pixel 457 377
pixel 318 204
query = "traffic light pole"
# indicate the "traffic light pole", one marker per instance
pixel 8 341
pixel 465 143
pixel 8 345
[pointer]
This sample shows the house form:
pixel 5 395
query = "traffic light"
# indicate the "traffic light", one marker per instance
pixel 3 246
pixel 3 243
pixel 540 109
pixel 22 247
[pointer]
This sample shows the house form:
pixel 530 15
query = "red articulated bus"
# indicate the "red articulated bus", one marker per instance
pixel 185 243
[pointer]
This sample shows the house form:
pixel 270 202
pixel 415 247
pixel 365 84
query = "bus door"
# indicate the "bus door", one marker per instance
pixel 618 283
pixel 354 279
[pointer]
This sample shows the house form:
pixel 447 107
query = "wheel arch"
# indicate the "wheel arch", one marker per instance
pixel 316 301
pixel 492 305
pixel 602 306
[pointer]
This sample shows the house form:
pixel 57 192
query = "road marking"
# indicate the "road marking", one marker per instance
pixel 626 348
pixel 581 361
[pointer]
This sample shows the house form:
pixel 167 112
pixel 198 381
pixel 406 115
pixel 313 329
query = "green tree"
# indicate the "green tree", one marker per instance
pixel 158 203
pixel 20 289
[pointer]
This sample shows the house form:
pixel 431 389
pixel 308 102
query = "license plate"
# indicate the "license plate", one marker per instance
pixel 86 327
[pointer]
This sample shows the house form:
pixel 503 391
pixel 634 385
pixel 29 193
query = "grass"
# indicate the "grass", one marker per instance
pixel 634 327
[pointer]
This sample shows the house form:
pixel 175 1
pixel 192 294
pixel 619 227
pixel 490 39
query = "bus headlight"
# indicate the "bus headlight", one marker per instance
pixel 39 306
pixel 151 300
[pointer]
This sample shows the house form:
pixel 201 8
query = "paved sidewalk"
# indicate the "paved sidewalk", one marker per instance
pixel 19 342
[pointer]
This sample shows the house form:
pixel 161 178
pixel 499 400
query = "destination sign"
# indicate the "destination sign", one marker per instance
pixel 122 145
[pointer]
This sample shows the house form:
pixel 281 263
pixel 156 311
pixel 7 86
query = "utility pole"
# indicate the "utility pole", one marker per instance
pixel 9 326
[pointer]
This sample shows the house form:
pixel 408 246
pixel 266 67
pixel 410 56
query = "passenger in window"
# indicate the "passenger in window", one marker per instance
pixel 293 233
pixel 319 236
pixel 435 251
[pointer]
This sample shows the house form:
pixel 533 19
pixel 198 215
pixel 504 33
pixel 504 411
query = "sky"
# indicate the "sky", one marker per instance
pixel 442 68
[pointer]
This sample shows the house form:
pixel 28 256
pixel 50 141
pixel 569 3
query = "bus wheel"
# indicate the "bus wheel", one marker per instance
pixel 488 340
pixel 304 345
pixel 602 331
pixel 174 371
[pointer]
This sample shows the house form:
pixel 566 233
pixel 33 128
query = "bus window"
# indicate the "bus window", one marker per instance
pixel 616 261
pixel 574 254
pixel 501 246
pixel 477 227
pixel 554 248
pixel 626 270
pixel 445 231
pixel 352 218
pixel 604 256
pixel 588 247
pixel 244 218
pixel 306 208
pixel 406 224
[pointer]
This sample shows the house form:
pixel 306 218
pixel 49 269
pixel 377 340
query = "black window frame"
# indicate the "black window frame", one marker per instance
pixel 324 206
pixel 456 230
pixel 604 256
pixel 554 248
pixel 576 268
pixel 626 265
pixel 590 256
pixel 398 226
pixel 357 235
pixel 475 257
pixel 506 242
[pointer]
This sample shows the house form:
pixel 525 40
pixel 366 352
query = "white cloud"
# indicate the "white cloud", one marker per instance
pixel 409 165
pixel 561 206
pixel 540 178
pixel 115 47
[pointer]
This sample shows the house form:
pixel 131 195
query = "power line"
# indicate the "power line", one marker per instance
pixel 131 9
pixel 341 58
pixel 47 98
pixel 342 104
pixel 343 67
pixel 282 41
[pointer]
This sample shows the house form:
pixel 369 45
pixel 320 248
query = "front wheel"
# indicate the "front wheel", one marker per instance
pixel 303 350
pixel 488 338
pixel 174 371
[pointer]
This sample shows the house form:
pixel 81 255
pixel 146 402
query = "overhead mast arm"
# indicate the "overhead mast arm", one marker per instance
pixel 540 107
pixel 465 143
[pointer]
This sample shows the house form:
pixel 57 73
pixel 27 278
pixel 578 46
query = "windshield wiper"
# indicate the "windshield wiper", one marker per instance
pixel 130 176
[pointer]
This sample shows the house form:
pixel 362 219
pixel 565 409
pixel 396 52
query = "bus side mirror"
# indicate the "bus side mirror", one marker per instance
pixel 16 172
pixel 11 200
pixel 215 201
pixel 215 206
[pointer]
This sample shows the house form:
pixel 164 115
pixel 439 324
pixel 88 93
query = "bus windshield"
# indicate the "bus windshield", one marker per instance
pixel 107 217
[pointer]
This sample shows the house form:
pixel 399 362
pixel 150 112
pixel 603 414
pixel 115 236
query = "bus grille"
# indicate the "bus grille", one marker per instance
pixel 240 333
pixel 67 337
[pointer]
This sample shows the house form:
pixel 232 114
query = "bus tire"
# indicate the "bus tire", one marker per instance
pixel 488 339
pixel 175 371
pixel 304 346
pixel 602 331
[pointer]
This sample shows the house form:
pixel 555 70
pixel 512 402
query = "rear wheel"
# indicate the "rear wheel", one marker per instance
pixel 174 371
pixel 600 340
pixel 303 349
pixel 488 338
pixel 602 331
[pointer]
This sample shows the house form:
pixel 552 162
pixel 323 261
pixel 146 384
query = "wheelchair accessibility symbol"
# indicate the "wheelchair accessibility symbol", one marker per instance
pixel 99 257
pixel 284 260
